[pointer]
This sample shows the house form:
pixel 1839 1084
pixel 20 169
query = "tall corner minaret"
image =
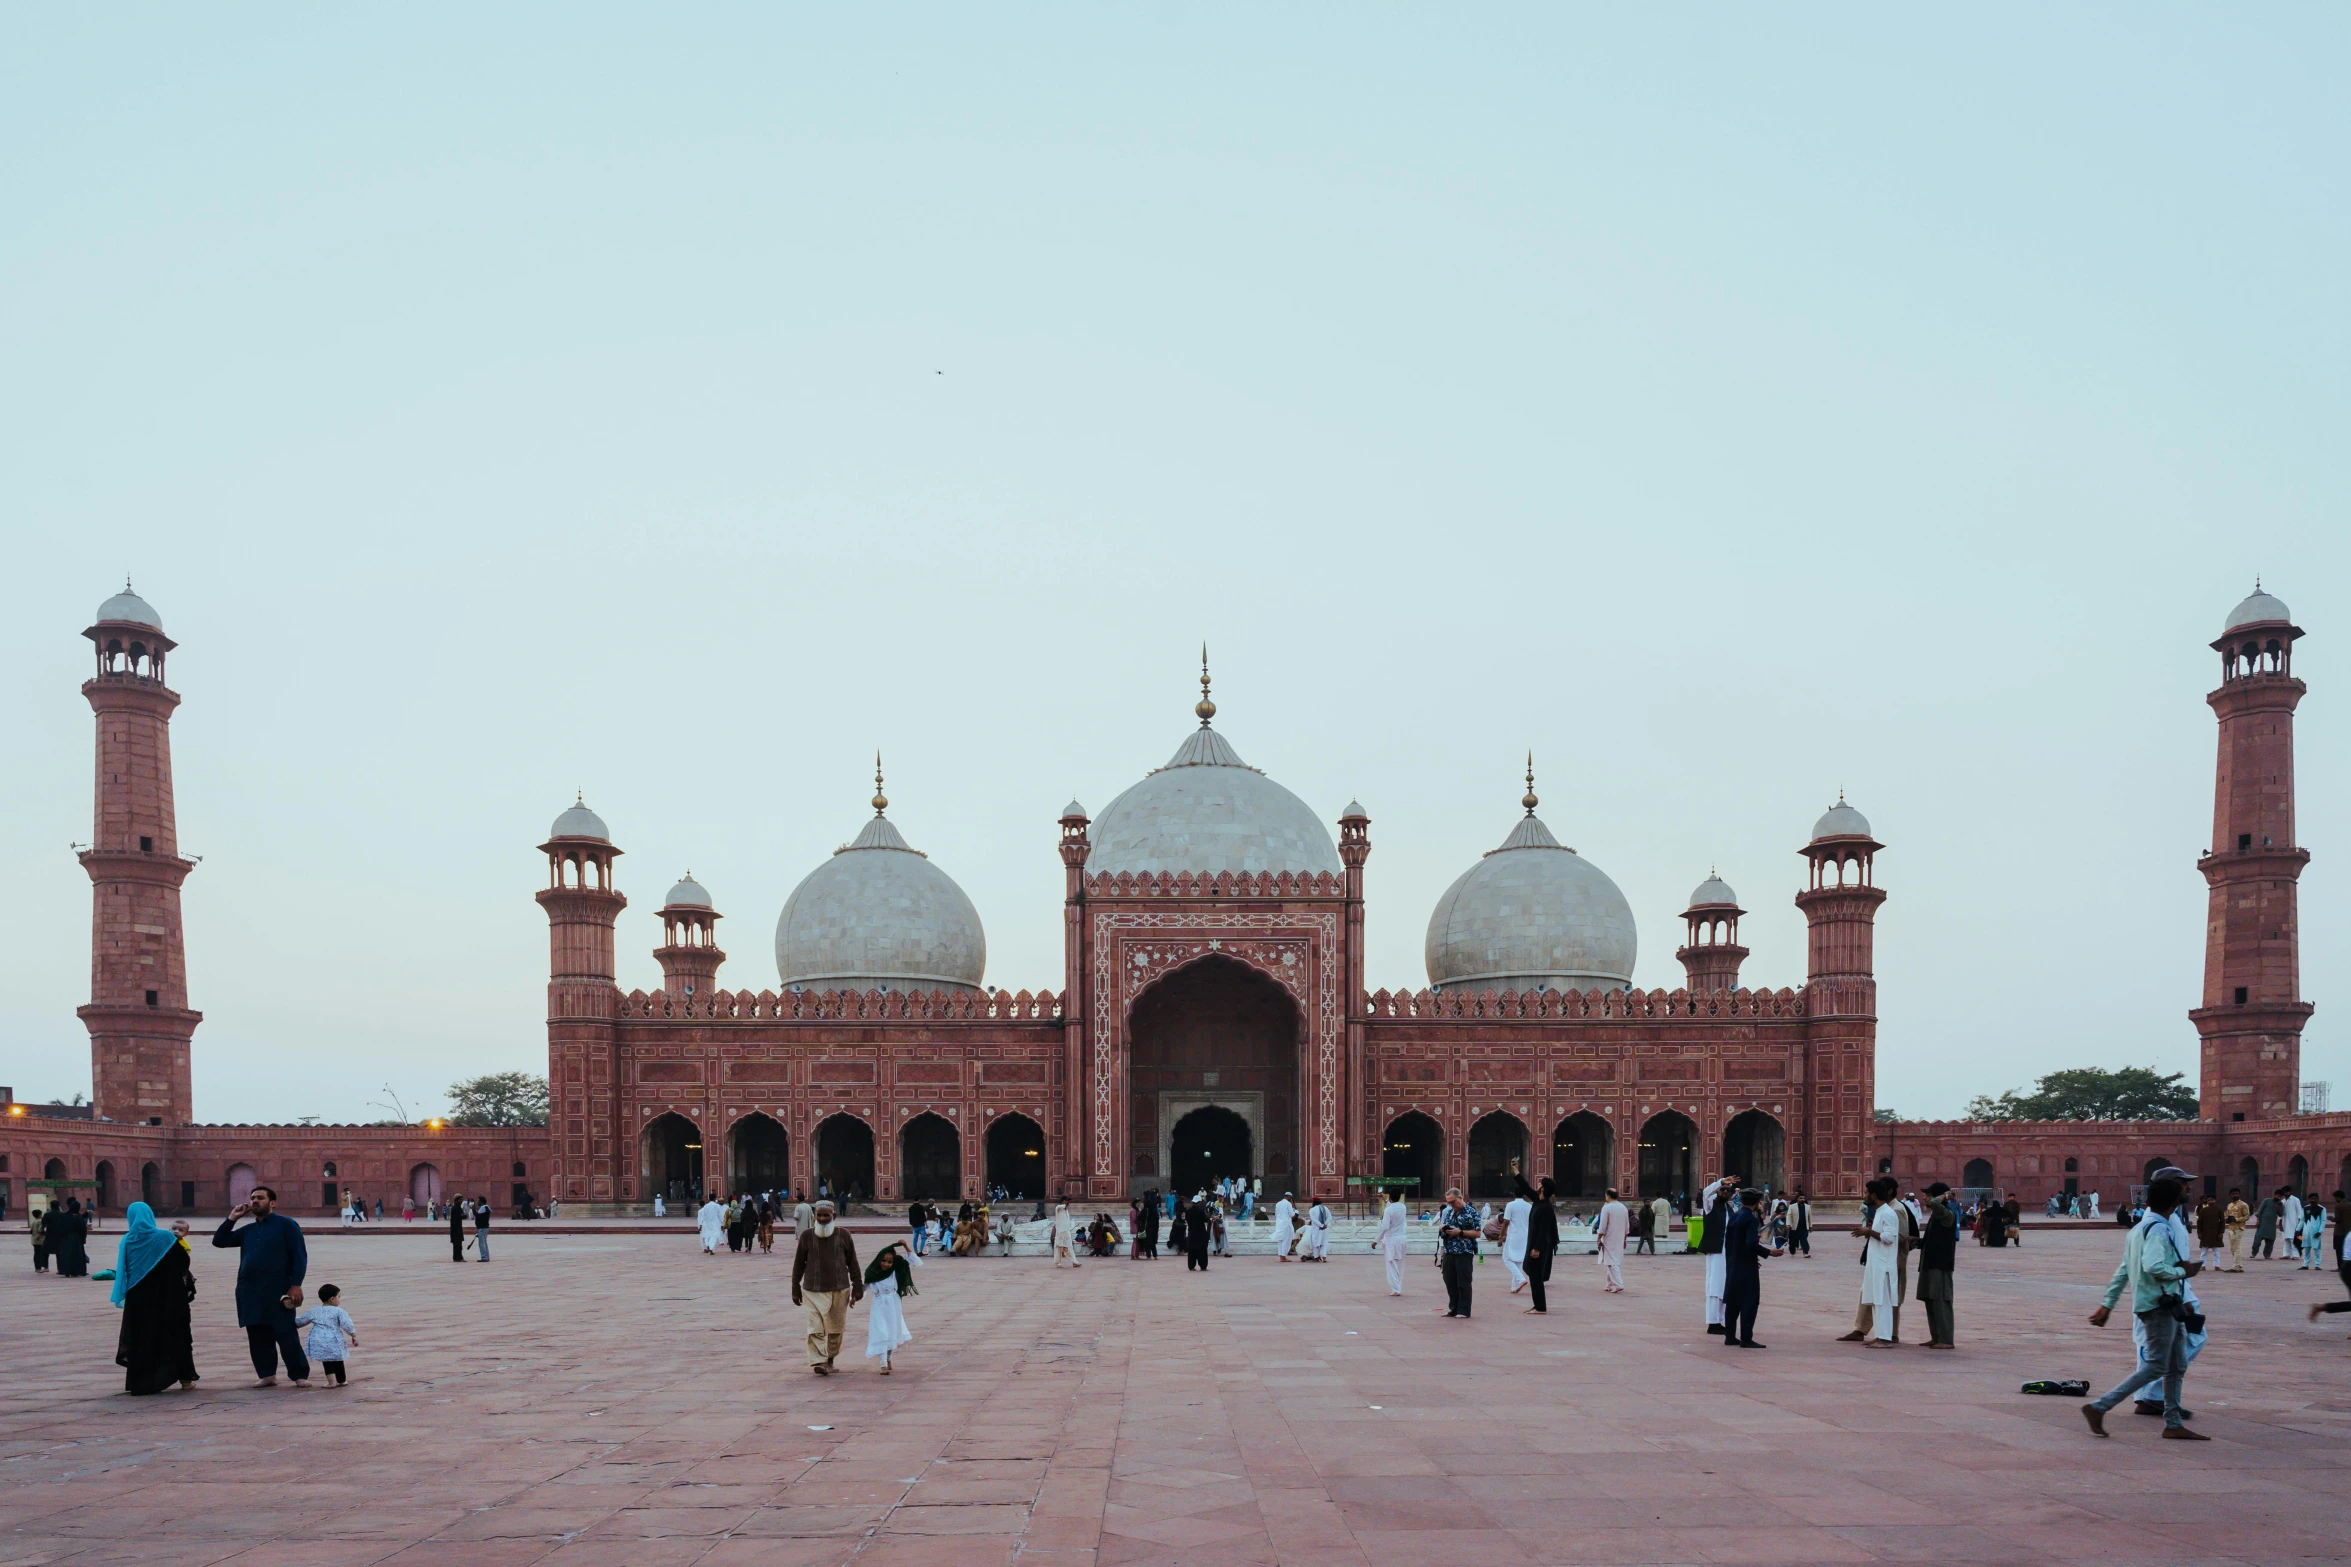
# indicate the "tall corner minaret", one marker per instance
pixel 594 1148
pixel 139 1020
pixel 689 954
pixel 1712 954
pixel 1840 903
pixel 2253 1012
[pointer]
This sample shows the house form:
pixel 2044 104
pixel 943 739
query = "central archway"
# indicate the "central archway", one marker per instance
pixel 669 1153
pixel 1669 1155
pixel 1414 1145
pixel 1209 1144
pixel 844 1157
pixel 1583 1155
pixel 1497 1156
pixel 1016 1156
pixel 930 1160
pixel 1755 1149
pixel 1214 1030
pixel 758 1155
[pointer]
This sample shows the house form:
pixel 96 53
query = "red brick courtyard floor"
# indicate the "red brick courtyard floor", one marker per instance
pixel 584 1400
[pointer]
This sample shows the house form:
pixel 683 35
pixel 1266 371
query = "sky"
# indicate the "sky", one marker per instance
pixel 677 406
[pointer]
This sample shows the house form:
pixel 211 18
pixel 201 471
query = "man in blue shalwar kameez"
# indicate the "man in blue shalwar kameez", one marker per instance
pixel 270 1269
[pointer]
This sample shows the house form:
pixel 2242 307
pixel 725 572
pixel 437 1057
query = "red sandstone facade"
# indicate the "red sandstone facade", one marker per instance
pixel 1244 996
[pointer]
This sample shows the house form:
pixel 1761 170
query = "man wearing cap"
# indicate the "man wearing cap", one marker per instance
pixel 825 1284
pixel 2154 1271
pixel 2150 1397
pixel 1938 1259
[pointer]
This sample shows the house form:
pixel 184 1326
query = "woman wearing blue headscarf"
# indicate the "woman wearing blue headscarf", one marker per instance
pixel 153 1286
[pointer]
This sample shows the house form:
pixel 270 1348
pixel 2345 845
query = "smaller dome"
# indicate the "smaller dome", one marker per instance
pixel 1355 812
pixel 1714 892
pixel 1841 821
pixel 2258 609
pixel 579 822
pixel 128 606
pixel 687 894
pixel 1073 812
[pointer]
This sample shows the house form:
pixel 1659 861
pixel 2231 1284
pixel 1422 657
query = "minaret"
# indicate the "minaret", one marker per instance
pixel 2253 1012
pixel 689 954
pixel 138 1015
pixel 1075 847
pixel 595 1149
pixel 1712 954
pixel 1840 1003
pixel 1363 1153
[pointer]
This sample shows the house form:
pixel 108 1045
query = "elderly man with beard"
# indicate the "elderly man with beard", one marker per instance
pixel 826 1282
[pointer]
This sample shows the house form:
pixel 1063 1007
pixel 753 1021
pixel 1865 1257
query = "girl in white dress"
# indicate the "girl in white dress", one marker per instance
pixel 888 1278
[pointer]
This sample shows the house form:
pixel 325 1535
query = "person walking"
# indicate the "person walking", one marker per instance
pixel 481 1228
pixel 2153 1270
pixel 456 1230
pixel 1318 1233
pixel 825 1284
pixel 1457 1241
pixel 328 1335
pixel 1147 1226
pixel 2265 1224
pixel 1196 1236
pixel 1065 1237
pixel 1517 1214
pixel 1285 1236
pixel 1392 1239
pixel 1608 1230
pixel 2314 1224
pixel 711 1220
pixel 153 1286
pixel 1644 1229
pixel 272 1260
pixel 2210 1222
pixel 1743 1251
pixel 802 1214
pixel 1938 1261
pixel 1800 1226
pixel 889 1278
pixel 69 1243
pixel 2235 1216
pixel 918 1224
pixel 1542 1242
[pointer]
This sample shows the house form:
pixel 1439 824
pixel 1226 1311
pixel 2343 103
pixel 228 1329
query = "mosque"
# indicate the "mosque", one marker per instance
pixel 1212 1016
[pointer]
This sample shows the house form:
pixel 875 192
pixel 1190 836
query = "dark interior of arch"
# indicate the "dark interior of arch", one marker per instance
pixel 930 1160
pixel 1218 1016
pixel 671 1156
pixel 1210 1143
pixel 1669 1156
pixel 758 1155
pixel 844 1157
pixel 1414 1146
pixel 1016 1156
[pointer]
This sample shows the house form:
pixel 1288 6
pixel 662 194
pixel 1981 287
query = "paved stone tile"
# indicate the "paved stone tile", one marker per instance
pixel 619 1400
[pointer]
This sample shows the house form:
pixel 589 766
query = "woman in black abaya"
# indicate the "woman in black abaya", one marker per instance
pixel 153 1286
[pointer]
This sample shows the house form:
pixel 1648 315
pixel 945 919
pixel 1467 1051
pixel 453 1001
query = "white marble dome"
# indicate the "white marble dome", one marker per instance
pixel 1713 892
pixel 879 916
pixel 1532 915
pixel 128 606
pixel 579 822
pixel 1840 821
pixel 687 894
pixel 1208 811
pixel 2258 607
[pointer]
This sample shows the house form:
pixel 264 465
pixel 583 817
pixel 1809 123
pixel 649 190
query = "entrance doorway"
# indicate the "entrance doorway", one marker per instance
pixel 1016 1156
pixel 1213 1029
pixel 1414 1145
pixel 1754 1148
pixel 930 1160
pixel 424 1185
pixel 1209 1144
pixel 844 1158
pixel 1497 1156
pixel 1669 1155
pixel 669 1152
pixel 758 1155
pixel 1583 1155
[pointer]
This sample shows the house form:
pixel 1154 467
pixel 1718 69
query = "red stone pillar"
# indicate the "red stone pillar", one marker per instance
pixel 1355 1094
pixel 1070 1141
pixel 1841 1003
pixel 593 1138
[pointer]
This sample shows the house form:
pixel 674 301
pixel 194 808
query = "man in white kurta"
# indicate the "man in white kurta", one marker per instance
pixel 1610 1230
pixel 1517 1214
pixel 1318 1232
pixel 1714 1207
pixel 1391 1241
pixel 1284 1232
pixel 713 1220
pixel 1881 1279
pixel 1065 1237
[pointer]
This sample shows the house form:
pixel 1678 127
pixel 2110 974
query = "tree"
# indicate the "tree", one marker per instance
pixel 1884 1115
pixel 499 1099
pixel 2090 1093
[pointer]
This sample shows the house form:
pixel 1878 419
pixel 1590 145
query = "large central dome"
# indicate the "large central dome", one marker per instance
pixel 879 915
pixel 1207 811
pixel 1532 915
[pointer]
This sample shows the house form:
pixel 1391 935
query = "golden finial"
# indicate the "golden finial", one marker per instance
pixel 1206 709
pixel 1530 802
pixel 579 797
pixel 881 801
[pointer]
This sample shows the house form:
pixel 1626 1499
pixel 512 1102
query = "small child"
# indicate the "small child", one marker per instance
pixel 331 1332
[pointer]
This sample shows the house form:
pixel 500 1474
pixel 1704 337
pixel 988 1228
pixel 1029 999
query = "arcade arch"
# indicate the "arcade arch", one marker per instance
pixel 1755 1149
pixel 758 1155
pixel 844 1158
pixel 1583 1155
pixel 1497 1155
pixel 669 1155
pixel 930 1159
pixel 1669 1156
pixel 1414 1145
pixel 1016 1156
pixel 1215 1031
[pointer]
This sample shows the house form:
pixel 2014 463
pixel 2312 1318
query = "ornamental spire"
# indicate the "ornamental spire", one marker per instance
pixel 1205 708
pixel 1530 802
pixel 881 801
